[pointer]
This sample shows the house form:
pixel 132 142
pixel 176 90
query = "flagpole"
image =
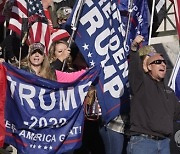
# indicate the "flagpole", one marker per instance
pixel 20 51
pixel 151 22
pixel 74 28
pixel 174 72
pixel 24 35
pixel 4 29
pixel 130 10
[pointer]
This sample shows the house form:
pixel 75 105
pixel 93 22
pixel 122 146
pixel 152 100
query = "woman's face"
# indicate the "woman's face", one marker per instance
pixel 61 51
pixel 36 58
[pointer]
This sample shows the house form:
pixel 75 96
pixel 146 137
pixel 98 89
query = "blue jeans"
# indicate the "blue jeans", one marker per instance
pixel 144 145
pixel 113 141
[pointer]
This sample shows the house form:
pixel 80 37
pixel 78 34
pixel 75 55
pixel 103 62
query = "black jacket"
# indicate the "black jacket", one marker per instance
pixel 154 106
pixel 57 65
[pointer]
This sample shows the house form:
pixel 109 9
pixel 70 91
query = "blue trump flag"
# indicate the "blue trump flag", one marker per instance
pixel 44 116
pixel 100 38
pixel 135 18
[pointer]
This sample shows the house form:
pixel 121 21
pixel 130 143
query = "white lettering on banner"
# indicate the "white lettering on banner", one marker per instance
pixel 118 56
pixel 114 43
pixel 49 137
pixel 114 86
pixel 65 101
pixel 44 122
pixel 62 137
pixel 73 132
pixel 96 20
pixel 140 21
pixel 106 10
pixel 108 42
pixel 56 123
pixel 139 16
pixel 38 137
pixel 99 39
pixel 12 86
pixel 42 102
pixel 28 96
pixel 11 126
pixel 65 98
pixel 115 15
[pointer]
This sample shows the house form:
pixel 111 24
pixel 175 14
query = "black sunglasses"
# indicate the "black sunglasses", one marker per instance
pixel 39 51
pixel 157 62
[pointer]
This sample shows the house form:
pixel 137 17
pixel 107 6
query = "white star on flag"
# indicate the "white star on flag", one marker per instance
pixel 85 46
pixel 92 63
pixel 45 147
pixel 90 54
pixel 39 146
pixel 50 148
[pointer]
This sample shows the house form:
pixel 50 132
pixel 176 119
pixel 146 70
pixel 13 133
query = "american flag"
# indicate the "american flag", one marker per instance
pixel 35 8
pixel 39 29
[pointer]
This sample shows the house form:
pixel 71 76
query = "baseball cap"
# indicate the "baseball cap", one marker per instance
pixel 37 46
pixel 147 50
pixel 64 12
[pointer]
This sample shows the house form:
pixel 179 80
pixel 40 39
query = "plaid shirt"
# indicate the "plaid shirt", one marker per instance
pixel 119 123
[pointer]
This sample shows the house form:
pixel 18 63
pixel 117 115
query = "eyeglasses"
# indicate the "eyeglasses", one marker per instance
pixel 157 62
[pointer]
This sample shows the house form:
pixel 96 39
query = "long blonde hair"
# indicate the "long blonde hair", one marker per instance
pixel 45 70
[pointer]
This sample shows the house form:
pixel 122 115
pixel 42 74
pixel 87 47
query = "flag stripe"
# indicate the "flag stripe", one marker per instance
pixel 15 27
pixel 59 34
pixel 39 31
pixel 19 11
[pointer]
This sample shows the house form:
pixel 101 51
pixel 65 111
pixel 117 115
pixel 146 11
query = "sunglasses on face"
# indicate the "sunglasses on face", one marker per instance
pixel 39 51
pixel 157 62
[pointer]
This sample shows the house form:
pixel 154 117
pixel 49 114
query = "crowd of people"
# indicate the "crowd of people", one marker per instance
pixel 154 106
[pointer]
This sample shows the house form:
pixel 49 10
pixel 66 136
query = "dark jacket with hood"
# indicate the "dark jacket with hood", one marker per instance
pixel 154 106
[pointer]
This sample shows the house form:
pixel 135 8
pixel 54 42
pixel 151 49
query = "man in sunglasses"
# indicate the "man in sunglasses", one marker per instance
pixel 154 106
pixel 156 66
